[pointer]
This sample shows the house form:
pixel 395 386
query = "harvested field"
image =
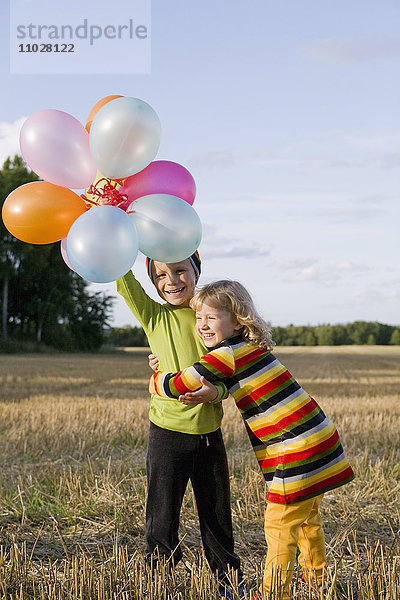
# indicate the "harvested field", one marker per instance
pixel 73 486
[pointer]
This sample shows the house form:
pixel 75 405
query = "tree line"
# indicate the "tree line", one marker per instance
pixel 43 302
pixel 359 333
pixel 356 333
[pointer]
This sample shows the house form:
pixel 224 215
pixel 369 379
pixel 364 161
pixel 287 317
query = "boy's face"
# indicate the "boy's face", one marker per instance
pixel 214 325
pixel 175 282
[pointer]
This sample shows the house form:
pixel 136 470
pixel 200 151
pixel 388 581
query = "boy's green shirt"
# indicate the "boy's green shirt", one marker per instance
pixel 172 337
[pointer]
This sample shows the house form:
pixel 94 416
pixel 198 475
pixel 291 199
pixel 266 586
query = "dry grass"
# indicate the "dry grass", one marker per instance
pixel 73 433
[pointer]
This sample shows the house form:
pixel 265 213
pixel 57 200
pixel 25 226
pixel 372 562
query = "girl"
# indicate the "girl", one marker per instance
pixel 296 445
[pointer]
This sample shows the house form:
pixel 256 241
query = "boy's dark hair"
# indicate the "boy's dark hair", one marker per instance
pixel 194 259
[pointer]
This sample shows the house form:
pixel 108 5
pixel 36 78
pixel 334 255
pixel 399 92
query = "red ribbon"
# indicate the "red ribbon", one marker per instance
pixel 108 194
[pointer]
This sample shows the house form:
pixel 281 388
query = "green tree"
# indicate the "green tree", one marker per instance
pixel 383 333
pixel 13 174
pixel 340 335
pixel 324 335
pixel 127 336
pixel 42 299
pixel 358 332
pixel 278 334
pixel 395 337
pixel 310 339
pixel 88 316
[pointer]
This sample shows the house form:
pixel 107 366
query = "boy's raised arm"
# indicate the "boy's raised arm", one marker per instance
pixel 216 366
pixel 145 309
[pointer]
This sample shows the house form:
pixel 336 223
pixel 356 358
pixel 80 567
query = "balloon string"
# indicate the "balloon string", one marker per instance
pixel 107 194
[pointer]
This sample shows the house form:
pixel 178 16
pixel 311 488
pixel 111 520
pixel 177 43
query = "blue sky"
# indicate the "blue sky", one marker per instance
pixel 287 115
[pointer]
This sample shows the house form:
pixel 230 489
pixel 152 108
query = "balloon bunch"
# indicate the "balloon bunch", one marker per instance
pixel 131 201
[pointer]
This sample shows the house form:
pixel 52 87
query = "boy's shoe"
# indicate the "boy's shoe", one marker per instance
pixel 228 592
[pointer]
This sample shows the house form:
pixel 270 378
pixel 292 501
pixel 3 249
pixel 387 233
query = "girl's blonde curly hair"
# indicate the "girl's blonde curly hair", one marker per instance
pixel 233 297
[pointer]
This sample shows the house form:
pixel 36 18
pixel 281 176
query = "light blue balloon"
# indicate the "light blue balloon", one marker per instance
pixel 168 228
pixel 102 244
pixel 124 137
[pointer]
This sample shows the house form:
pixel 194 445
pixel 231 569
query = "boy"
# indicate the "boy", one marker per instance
pixel 185 442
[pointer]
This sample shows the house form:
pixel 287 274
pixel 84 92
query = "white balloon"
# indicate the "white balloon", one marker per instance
pixel 169 229
pixel 102 244
pixel 124 137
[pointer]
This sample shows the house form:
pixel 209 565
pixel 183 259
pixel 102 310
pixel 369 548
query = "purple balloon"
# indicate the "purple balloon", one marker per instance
pixel 160 177
pixel 63 248
pixel 56 146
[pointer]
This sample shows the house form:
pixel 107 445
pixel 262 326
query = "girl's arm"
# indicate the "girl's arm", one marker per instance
pixel 217 365
pixel 208 392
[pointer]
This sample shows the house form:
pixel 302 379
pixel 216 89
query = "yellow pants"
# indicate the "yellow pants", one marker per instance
pixel 288 526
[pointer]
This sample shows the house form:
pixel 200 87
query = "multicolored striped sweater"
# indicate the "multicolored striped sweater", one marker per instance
pixel 296 445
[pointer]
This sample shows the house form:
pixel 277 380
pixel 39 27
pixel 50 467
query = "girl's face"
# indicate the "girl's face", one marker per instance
pixel 215 324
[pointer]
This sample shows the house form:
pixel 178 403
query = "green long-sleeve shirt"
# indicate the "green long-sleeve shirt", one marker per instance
pixel 172 337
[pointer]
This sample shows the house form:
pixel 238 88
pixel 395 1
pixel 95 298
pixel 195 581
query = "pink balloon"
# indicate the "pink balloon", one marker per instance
pixel 56 146
pixel 63 248
pixel 160 177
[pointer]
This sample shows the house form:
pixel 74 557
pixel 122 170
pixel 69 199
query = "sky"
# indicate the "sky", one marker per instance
pixel 287 115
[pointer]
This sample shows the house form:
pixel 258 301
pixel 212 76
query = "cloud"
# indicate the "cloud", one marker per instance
pixel 349 266
pixel 369 296
pixel 329 272
pixel 382 141
pixel 390 161
pixel 316 163
pixel 215 245
pixel 338 150
pixel 213 160
pixel 354 51
pixel 375 199
pixel 349 214
pixel 239 251
pixel 9 138
pixel 307 274
pixel 294 263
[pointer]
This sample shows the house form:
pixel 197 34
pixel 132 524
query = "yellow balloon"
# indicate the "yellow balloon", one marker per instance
pixel 99 184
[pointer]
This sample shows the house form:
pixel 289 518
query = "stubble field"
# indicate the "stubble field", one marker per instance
pixel 73 486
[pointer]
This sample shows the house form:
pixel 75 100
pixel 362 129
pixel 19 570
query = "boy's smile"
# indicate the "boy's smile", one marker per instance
pixel 175 282
pixel 215 325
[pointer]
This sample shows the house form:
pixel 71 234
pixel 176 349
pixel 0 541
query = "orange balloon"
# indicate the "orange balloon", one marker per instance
pixel 40 212
pixel 96 109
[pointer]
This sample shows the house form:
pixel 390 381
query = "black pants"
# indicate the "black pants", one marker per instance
pixel 172 459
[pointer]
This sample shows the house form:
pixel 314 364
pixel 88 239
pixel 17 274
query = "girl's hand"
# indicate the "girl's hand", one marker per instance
pixel 206 393
pixel 153 362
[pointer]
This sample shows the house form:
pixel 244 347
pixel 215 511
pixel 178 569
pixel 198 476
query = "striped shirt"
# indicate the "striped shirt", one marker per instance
pixel 296 445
